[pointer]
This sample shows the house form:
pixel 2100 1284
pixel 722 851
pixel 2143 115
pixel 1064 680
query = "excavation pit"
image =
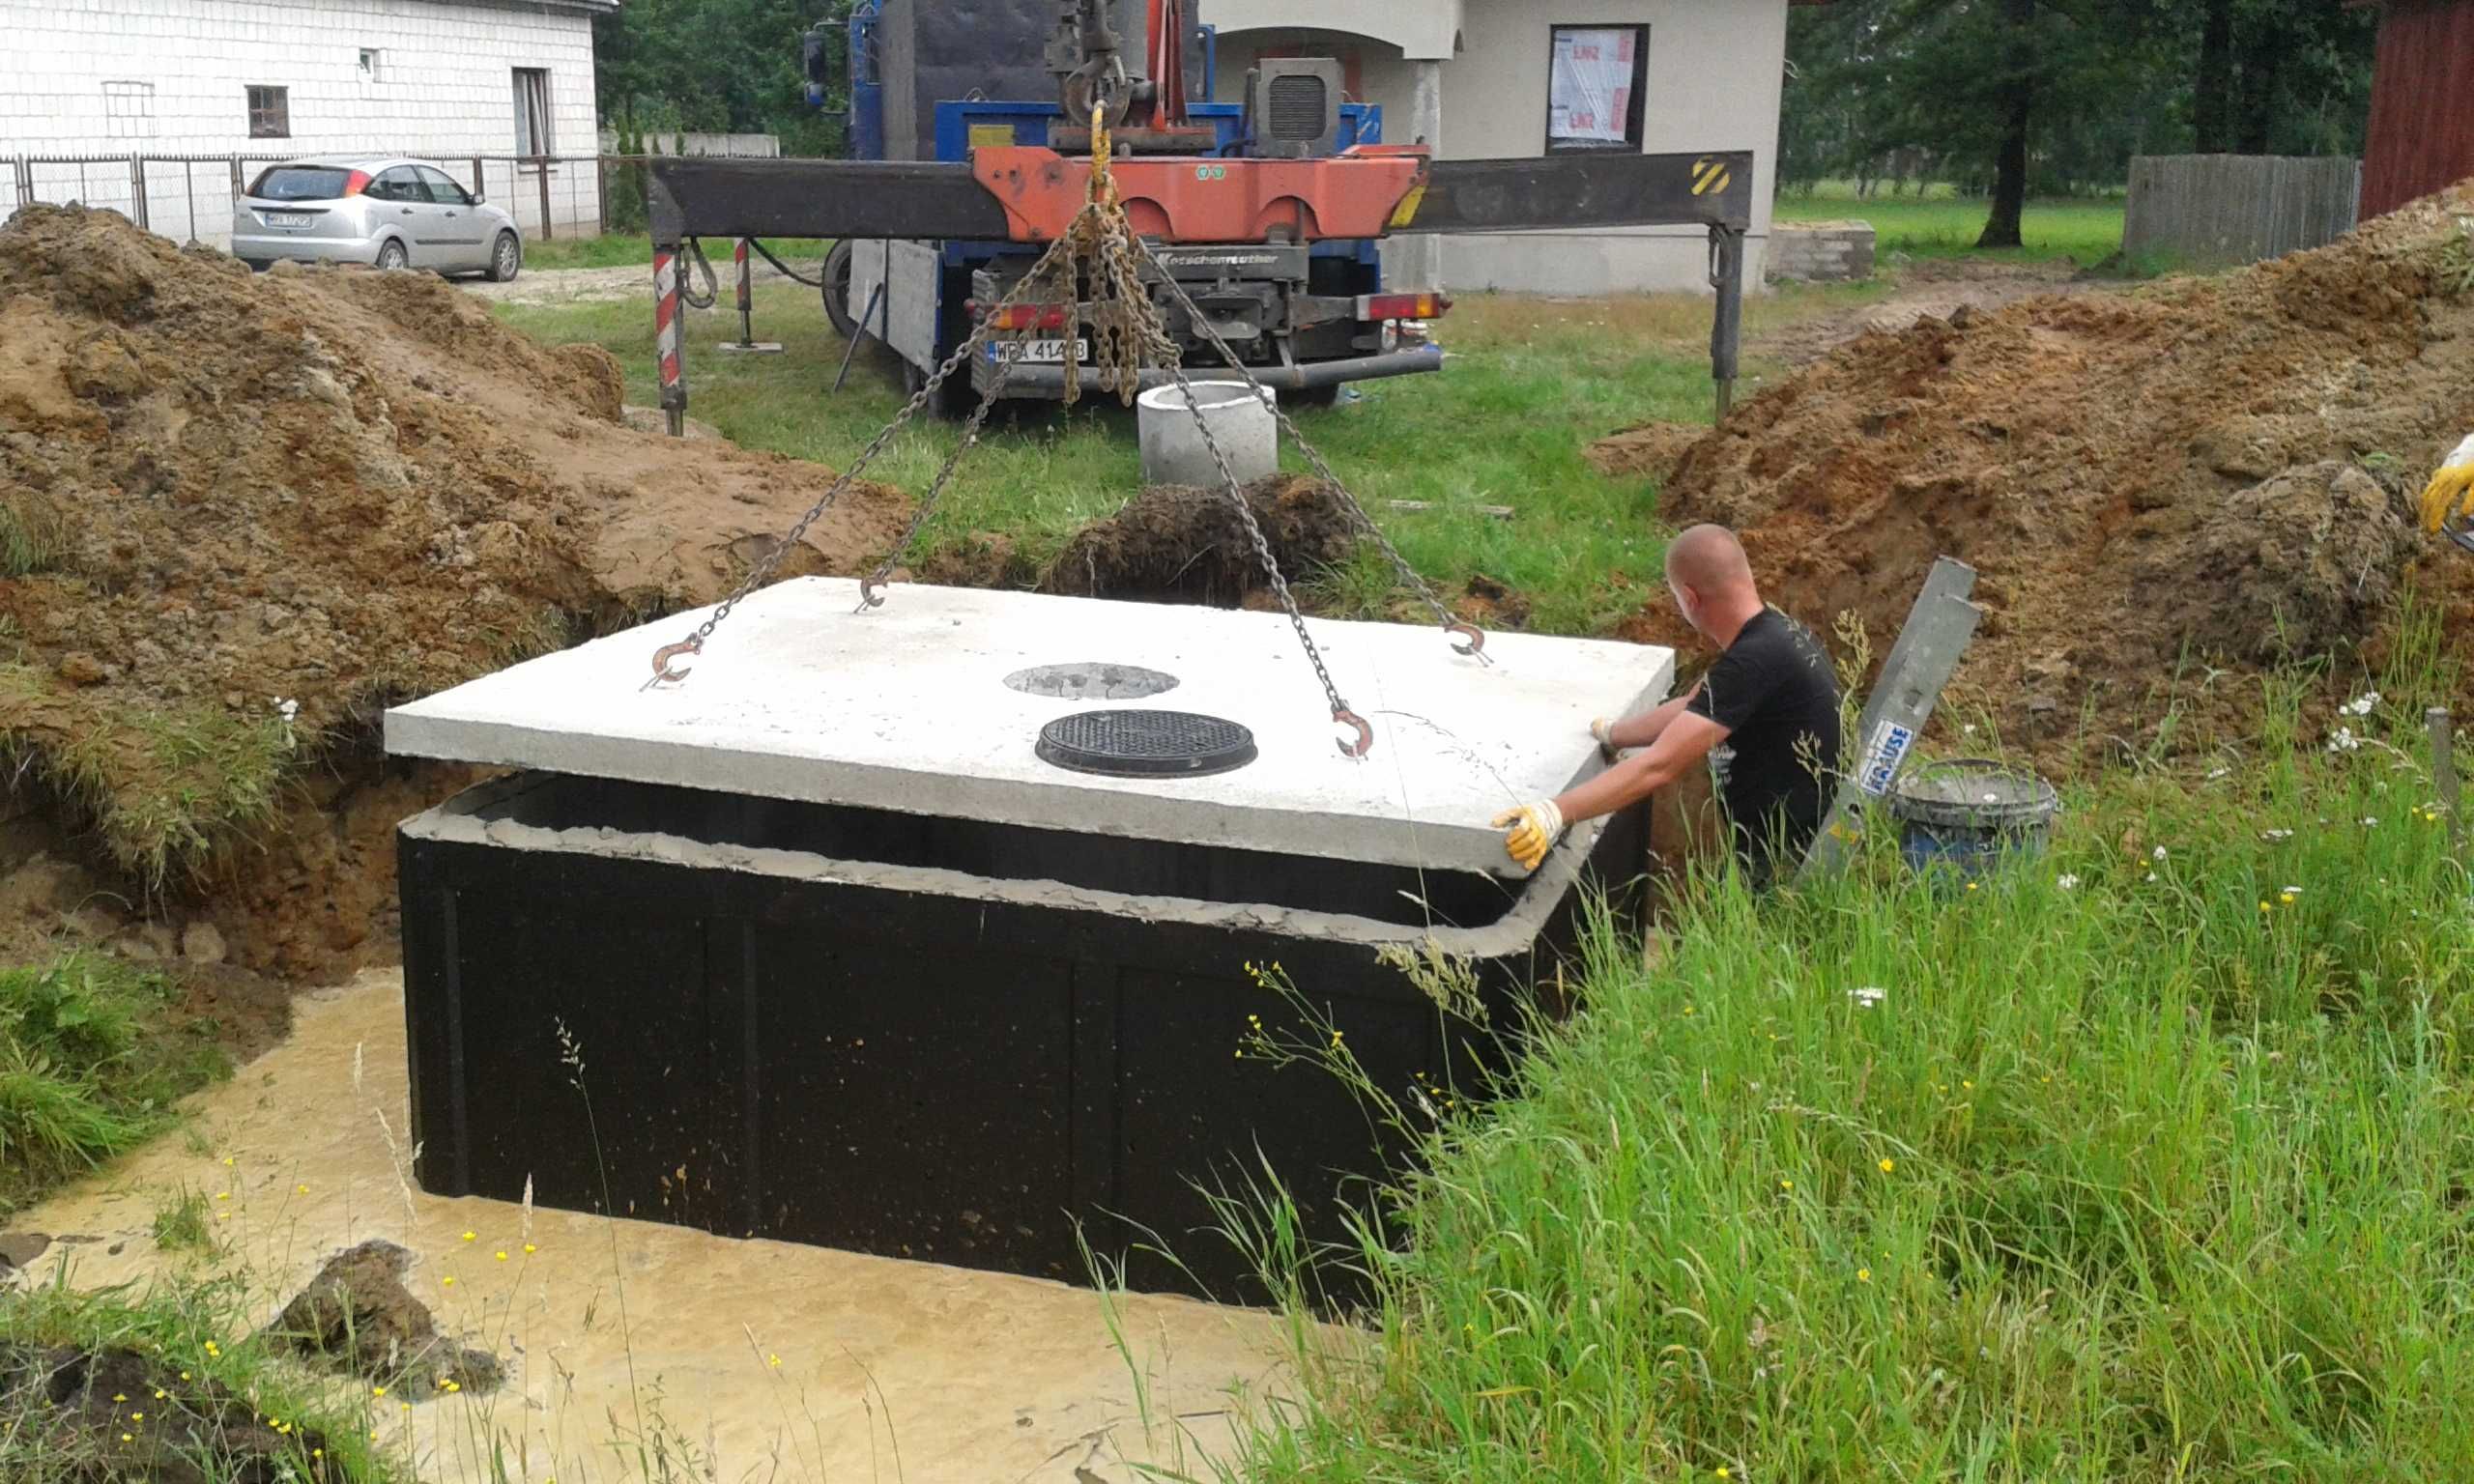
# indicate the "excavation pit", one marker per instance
pixel 847 962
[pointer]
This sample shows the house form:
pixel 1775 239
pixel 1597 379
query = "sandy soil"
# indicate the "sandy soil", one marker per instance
pixel 1933 289
pixel 597 285
pixel 753 1351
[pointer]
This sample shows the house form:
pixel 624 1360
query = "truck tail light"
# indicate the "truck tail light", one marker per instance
pixel 1021 316
pixel 1401 307
pixel 356 183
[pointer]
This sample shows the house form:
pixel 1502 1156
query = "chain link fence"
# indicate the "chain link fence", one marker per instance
pixel 192 197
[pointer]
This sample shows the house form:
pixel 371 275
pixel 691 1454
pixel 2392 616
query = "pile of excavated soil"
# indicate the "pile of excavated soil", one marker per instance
pixel 116 1414
pixel 245 513
pixel 356 1317
pixel 2212 470
pixel 1173 543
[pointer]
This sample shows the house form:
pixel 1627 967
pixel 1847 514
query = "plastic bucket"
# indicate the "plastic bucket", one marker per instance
pixel 1173 451
pixel 1967 812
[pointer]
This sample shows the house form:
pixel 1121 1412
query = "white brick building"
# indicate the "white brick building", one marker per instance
pixel 445 80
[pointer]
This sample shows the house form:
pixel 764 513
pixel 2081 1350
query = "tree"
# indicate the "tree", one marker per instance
pixel 718 65
pixel 2269 76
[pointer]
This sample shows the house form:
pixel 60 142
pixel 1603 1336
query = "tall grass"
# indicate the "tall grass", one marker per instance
pixel 2147 1159
pixel 90 1064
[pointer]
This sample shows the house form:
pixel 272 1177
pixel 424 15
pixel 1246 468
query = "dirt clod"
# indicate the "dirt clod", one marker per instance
pixel 257 509
pixel 2207 469
pixel 357 1317
pixel 118 1415
pixel 1187 545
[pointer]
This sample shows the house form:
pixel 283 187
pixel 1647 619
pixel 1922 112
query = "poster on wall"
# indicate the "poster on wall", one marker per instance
pixel 1589 91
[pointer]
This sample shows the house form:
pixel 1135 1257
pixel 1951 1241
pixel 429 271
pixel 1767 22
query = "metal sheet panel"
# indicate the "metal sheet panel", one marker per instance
pixel 2421 135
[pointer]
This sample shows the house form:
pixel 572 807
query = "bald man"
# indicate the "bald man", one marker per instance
pixel 1765 716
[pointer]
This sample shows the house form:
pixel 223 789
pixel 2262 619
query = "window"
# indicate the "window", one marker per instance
pixel 373 64
pixel 269 113
pixel 532 111
pixel 442 187
pixel 400 184
pixel 129 110
pixel 1594 82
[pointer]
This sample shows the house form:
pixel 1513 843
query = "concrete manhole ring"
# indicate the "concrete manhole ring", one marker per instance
pixel 1092 680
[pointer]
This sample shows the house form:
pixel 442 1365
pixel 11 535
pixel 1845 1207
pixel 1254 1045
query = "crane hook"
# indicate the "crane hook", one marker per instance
pixel 1345 716
pixel 663 656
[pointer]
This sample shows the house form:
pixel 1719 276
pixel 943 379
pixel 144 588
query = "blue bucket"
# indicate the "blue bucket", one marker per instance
pixel 1965 813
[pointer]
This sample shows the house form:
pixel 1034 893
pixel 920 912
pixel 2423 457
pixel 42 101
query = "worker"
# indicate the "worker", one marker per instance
pixel 2451 486
pixel 1765 715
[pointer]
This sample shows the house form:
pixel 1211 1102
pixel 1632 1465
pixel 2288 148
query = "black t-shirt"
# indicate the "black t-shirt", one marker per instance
pixel 1777 696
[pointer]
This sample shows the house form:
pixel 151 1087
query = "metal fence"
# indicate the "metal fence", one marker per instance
pixel 728 146
pixel 2220 210
pixel 191 197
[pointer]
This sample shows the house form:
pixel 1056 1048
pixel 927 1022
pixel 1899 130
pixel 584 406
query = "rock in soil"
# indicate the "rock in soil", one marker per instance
pixel 356 1317
pixel 1176 544
pixel 2141 478
pixel 116 1414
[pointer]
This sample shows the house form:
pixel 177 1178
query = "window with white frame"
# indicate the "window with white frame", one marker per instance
pixel 269 112
pixel 1596 78
pixel 129 110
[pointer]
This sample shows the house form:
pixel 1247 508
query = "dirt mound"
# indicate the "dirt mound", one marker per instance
pixel 118 1415
pixel 1187 545
pixel 357 1317
pixel 2201 469
pixel 245 512
pixel 1649 451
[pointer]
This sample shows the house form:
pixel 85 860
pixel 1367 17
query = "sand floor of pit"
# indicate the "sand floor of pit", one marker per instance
pixel 778 1360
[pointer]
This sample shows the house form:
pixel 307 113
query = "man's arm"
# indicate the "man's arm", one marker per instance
pixel 1641 731
pixel 1683 741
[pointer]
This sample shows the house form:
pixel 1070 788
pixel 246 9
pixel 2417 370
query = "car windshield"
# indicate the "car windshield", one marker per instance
pixel 301 183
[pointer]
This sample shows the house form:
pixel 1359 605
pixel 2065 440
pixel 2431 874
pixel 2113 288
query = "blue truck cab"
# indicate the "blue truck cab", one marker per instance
pixel 1306 318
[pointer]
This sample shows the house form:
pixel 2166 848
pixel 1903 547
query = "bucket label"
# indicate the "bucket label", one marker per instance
pixel 1881 758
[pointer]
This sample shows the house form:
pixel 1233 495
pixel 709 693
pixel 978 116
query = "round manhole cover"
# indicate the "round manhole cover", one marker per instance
pixel 1091 680
pixel 1145 744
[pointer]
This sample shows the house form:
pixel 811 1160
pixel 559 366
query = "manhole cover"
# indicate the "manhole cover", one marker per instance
pixel 1091 680
pixel 1145 744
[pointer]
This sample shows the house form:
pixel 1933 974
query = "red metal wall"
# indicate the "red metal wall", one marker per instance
pixel 2422 103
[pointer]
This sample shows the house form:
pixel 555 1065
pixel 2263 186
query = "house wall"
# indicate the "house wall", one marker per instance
pixel 2421 136
pixel 1716 68
pixel 444 90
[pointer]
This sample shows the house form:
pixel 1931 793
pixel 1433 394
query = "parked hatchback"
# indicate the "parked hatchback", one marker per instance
pixel 386 212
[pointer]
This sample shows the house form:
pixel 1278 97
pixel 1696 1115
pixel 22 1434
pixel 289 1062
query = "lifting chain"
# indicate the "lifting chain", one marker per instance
pixel 1471 639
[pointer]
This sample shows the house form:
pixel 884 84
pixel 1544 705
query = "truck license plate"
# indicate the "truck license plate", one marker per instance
pixel 288 219
pixel 1051 352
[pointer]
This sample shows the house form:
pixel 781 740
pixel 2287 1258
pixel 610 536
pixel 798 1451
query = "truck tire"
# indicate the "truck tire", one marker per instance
pixel 837 291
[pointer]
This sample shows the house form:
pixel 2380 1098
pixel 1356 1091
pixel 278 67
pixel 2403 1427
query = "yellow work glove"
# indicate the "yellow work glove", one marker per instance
pixel 2451 486
pixel 1530 832
pixel 1603 728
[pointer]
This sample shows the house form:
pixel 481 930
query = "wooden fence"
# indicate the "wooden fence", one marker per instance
pixel 2213 210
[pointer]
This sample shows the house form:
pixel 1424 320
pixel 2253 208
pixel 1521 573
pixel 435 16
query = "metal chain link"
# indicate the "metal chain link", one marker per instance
pixel 1409 575
pixel 764 570
pixel 870 595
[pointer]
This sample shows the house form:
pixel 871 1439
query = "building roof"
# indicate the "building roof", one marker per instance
pixel 588 7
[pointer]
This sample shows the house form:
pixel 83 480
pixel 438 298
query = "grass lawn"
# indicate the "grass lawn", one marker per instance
pixel 1528 385
pixel 623 249
pixel 2086 230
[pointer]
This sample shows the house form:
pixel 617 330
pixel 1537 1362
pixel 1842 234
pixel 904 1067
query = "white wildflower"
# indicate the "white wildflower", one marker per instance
pixel 2067 882
pixel 2213 774
pixel 2344 740
pixel 1868 996
pixel 2273 836
pixel 2361 704
pixel 2151 876
pixel 2289 890
pixel 2370 821
pixel 2157 854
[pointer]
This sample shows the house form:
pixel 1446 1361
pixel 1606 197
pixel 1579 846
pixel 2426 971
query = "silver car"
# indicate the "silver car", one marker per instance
pixel 386 212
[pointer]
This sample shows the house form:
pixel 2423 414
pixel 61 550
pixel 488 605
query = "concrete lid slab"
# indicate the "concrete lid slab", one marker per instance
pixel 905 708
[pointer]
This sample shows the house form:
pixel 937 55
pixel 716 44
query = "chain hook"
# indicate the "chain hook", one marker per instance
pixel 663 674
pixel 1475 638
pixel 871 592
pixel 1345 716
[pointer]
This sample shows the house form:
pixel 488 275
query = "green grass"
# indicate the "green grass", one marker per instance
pixel 2088 231
pixel 201 1345
pixel 181 1225
pixel 2147 1162
pixel 626 249
pixel 1529 384
pixel 31 538
pixel 90 1064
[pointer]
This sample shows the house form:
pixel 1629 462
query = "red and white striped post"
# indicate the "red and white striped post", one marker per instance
pixel 670 338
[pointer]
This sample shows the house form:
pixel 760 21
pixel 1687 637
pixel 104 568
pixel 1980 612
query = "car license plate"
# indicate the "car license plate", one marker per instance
pixel 1051 352
pixel 289 218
